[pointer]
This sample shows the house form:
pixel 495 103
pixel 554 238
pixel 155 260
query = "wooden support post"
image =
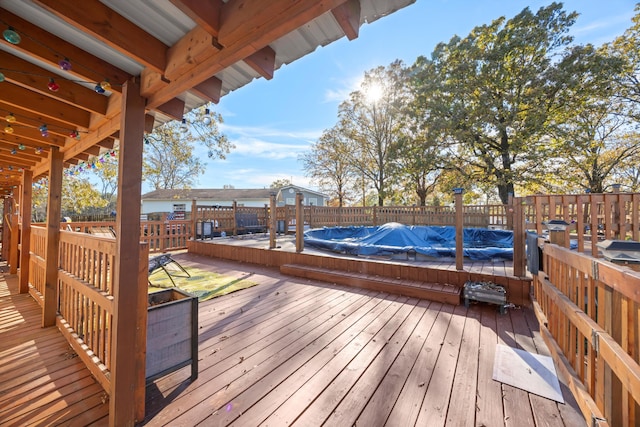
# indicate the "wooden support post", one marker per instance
pixel 273 223
pixel 54 210
pixel 25 238
pixel 126 397
pixel 299 222
pixel 194 220
pixel 519 255
pixel 14 238
pixel 459 229
pixel 6 231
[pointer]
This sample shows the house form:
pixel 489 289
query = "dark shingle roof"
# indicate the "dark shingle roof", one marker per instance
pixel 210 194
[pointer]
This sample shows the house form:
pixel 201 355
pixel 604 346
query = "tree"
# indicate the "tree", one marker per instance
pixel 495 91
pixel 626 48
pixel 328 164
pixel 371 120
pixel 106 172
pixel 170 160
pixel 279 183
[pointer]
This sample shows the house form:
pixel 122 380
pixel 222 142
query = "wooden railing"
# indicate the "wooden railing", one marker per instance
pixel 38 247
pixel 161 236
pixel 592 217
pixel 86 298
pixel 482 216
pixel 589 312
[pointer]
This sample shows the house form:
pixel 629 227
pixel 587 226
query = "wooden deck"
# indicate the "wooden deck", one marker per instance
pixel 42 381
pixel 290 351
pixel 294 351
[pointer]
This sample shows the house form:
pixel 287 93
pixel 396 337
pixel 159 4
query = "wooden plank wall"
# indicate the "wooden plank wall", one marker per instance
pixel 517 288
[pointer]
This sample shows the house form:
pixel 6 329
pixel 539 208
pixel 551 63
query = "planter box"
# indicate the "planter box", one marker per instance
pixel 172 333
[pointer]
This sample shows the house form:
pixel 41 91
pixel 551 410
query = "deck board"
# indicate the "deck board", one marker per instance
pixel 42 382
pixel 295 351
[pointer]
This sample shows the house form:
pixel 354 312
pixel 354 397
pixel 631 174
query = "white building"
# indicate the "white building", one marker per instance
pixel 179 201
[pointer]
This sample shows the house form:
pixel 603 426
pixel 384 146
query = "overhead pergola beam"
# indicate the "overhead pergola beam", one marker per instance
pixel 39 46
pixel 348 17
pixel 108 26
pixel 210 89
pixel 36 79
pixel 47 107
pixel 246 27
pixel 204 13
pixel 263 62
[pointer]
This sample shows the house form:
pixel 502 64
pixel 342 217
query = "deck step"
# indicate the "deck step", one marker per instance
pixel 439 292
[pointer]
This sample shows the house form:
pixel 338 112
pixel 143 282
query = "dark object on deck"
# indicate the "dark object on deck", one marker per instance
pixel 248 223
pixel 161 262
pixel 172 333
pixel 485 292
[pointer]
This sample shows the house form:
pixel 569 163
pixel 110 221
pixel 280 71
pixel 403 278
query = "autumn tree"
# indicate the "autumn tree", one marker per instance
pixel 495 91
pixel 170 156
pixel 371 120
pixel 327 163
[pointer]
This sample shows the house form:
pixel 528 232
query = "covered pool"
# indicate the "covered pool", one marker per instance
pixel 394 239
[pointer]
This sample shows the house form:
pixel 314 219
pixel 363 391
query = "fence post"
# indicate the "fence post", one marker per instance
pixel 459 229
pixel 234 206
pixel 519 257
pixel 299 223
pixel 272 218
pixel 194 220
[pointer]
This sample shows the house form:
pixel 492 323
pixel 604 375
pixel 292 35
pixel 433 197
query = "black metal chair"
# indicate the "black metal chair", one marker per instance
pixel 161 262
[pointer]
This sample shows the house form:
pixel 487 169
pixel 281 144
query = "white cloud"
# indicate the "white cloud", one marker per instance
pixel 255 148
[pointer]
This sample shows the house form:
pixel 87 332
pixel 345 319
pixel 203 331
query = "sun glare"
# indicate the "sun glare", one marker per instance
pixel 374 92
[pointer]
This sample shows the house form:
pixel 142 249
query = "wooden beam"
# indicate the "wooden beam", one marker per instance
pixel 210 89
pixel 105 24
pixel 28 119
pixel 54 203
pixel 25 230
pixel 31 136
pixel 152 81
pixel 19 97
pixel 247 26
pixel 204 13
pixel 87 66
pixel 263 62
pixel 196 46
pixel 173 108
pixel 149 121
pixel 36 79
pixel 348 17
pixel 126 399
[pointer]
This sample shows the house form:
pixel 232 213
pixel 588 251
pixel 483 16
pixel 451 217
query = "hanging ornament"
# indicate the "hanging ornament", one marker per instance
pixel 53 86
pixel 105 84
pixel 21 147
pixel 98 88
pixel 14 151
pixel 206 120
pixel 64 64
pixel 183 126
pixel 10 118
pixel 10 168
pixel 44 131
pixel 8 129
pixel 75 134
pixel 1 77
pixel 38 150
pixel 11 36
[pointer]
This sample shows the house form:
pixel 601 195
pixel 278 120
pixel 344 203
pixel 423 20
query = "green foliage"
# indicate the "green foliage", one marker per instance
pixel 170 155
pixel 327 163
pixel 279 183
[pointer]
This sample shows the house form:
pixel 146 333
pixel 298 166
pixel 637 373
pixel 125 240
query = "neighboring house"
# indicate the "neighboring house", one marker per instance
pixel 179 201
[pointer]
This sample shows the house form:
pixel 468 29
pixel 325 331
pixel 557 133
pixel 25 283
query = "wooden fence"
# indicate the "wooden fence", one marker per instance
pixel 223 218
pixel 592 217
pixel 589 312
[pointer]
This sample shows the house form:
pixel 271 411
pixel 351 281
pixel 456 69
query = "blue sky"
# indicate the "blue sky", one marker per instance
pixel 272 122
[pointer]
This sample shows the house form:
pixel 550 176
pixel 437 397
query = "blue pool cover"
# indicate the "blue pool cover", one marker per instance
pixel 480 244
